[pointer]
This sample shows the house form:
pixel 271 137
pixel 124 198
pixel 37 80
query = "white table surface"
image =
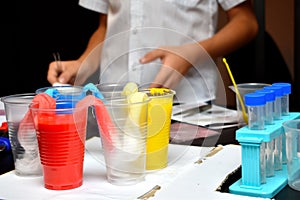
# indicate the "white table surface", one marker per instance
pixel 182 179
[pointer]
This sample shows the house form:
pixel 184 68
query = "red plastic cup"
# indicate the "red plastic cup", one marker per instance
pixel 65 177
pixel 61 134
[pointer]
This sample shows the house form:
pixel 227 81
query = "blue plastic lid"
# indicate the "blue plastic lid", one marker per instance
pixel 270 94
pixel 65 104
pixel 255 99
pixel 65 96
pixel 287 87
pixel 5 142
pixel 278 90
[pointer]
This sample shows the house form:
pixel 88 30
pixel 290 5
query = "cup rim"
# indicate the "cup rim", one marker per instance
pixel 69 110
pixel 64 87
pixel 247 85
pixel 285 124
pixel 120 102
pixel 12 99
pixel 169 93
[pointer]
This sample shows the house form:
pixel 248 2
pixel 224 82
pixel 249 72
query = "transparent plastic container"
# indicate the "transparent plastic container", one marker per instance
pixel 251 140
pixel 292 132
pixel 278 96
pixel 255 103
pixel 245 88
pixel 286 87
pixel 269 107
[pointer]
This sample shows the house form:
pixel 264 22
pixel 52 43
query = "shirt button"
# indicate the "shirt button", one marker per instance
pixel 134 31
pixel 134 66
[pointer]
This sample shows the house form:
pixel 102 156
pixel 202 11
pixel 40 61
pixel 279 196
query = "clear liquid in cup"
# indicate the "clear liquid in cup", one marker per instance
pixel 25 150
pixel 294 181
pixel 123 170
pixel 292 133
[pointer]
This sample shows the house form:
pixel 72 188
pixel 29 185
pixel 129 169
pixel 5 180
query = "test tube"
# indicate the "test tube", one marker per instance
pixel 262 162
pixel 269 107
pixel 269 146
pixel 255 103
pixel 279 156
pixel 277 104
pixel 278 153
pixel 286 88
pixel 269 153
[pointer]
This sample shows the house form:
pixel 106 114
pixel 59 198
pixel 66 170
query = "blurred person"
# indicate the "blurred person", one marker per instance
pixel 160 43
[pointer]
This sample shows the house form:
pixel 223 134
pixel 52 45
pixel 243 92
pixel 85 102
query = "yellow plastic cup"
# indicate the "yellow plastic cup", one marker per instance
pixel 159 122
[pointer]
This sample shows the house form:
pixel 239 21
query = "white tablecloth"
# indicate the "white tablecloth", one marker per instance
pixel 182 179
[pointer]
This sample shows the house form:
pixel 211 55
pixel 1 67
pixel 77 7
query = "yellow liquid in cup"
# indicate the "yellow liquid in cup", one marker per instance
pixel 159 121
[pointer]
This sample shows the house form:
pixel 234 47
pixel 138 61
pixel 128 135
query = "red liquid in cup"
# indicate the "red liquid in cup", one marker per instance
pixel 61 139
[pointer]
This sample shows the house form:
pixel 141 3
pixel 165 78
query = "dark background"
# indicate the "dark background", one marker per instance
pixel 31 32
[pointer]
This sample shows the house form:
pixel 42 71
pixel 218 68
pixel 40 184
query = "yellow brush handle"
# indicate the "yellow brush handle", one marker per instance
pixel 236 91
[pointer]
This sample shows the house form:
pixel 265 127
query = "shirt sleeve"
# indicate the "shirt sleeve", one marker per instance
pixel 100 6
pixel 228 4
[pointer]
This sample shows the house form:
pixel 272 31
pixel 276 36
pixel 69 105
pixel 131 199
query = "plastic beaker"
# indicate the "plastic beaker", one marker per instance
pixel 111 90
pixel 292 133
pixel 123 132
pixel 245 88
pixel 22 134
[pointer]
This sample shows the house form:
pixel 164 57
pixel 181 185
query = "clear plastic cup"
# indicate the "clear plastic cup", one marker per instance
pixel 245 88
pixel 292 133
pixel 159 121
pixel 111 90
pixel 66 96
pixel 123 132
pixel 22 134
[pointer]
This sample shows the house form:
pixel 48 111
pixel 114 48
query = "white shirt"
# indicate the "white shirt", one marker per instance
pixel 138 26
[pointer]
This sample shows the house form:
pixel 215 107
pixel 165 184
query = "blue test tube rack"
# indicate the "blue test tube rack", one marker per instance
pixel 250 141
